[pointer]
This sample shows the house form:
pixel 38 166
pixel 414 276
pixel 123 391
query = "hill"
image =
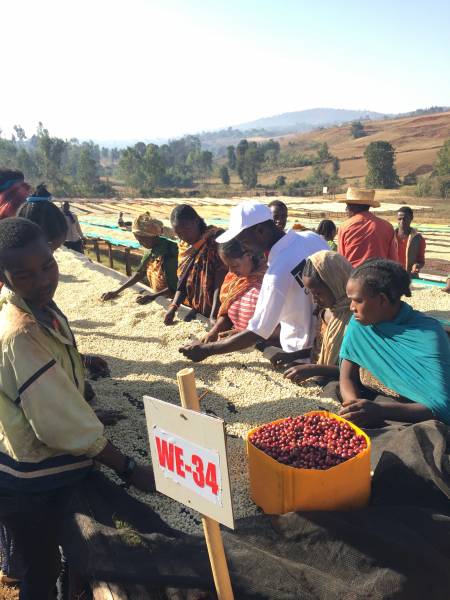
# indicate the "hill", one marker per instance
pixel 304 120
pixel 416 141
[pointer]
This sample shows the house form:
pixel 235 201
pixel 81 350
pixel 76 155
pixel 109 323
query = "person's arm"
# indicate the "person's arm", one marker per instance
pixel 420 258
pixel 218 280
pixel 169 317
pixel 223 323
pixel 282 358
pixel 393 248
pixel 349 382
pixel 146 298
pixel 136 278
pixel 240 341
pixel 368 413
pixel 299 373
pixel 142 475
pixel 340 241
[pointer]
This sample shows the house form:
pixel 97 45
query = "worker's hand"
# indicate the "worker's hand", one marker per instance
pixel 415 269
pixel 365 413
pixel 195 352
pixel 109 416
pixel 96 365
pixel 170 315
pixel 298 373
pixel 143 479
pixel 109 295
pixel 209 337
pixel 145 298
pixel 281 359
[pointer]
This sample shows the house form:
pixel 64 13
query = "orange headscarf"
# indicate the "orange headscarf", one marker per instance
pixel 235 286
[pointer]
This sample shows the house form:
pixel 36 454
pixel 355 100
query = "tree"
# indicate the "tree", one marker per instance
pixel 224 175
pixel 323 153
pixel 231 155
pixel 442 167
pixel 336 166
pixel 20 132
pixel 357 130
pixel 381 165
pixel 87 172
pixel 280 181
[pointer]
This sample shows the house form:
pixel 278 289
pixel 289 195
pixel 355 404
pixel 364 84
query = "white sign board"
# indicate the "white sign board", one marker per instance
pixel 189 458
pixel 324 190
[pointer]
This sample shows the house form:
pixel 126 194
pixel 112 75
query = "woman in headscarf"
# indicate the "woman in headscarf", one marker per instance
pixel 13 192
pixel 158 264
pixel 325 276
pixel 404 350
pixel 240 290
pixel 74 239
pixel 200 270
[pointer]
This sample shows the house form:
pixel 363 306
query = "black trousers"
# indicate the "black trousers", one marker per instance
pixel 33 522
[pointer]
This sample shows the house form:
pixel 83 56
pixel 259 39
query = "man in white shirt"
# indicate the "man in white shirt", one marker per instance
pixel 282 300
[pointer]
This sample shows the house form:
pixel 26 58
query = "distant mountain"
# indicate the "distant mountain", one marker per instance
pixel 304 120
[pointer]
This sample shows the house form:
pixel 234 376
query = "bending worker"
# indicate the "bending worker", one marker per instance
pixel 282 300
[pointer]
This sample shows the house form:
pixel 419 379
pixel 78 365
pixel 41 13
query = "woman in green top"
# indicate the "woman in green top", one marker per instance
pixel 159 263
pixel 327 229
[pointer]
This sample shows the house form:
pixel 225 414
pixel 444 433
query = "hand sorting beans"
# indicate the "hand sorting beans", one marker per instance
pixel 309 441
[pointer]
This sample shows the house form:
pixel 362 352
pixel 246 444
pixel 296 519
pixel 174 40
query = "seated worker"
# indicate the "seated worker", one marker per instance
pixel 75 237
pixel 50 436
pixel 122 223
pixel 159 263
pixel 325 276
pixel 410 243
pixel 279 212
pixel 405 350
pixel 364 235
pixel 327 229
pixel 240 290
pixel 282 300
pixel 13 192
pixel 200 270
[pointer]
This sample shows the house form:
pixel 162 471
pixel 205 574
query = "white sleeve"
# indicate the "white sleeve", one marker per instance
pixel 269 307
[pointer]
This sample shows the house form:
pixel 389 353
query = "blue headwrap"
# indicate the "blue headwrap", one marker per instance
pixel 39 199
pixel 7 184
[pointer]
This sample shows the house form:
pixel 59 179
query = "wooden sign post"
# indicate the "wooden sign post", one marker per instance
pixel 190 464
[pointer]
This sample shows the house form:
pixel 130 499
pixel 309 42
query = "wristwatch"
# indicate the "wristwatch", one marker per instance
pixel 128 470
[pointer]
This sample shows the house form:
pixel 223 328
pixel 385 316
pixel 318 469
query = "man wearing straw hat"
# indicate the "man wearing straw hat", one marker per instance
pixel 364 235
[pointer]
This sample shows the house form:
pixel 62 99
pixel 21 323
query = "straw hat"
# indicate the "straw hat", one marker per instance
pixel 144 224
pixel 357 196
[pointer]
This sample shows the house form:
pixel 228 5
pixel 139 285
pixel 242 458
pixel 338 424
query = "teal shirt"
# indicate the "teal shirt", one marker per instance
pixel 410 355
pixel 168 249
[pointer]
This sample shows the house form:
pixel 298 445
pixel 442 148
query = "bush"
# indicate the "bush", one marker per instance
pixel 410 179
pixel 280 181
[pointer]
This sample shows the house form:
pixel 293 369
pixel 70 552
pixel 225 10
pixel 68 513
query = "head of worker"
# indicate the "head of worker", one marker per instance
pixel 187 224
pixel 13 191
pixel 327 229
pixel 279 213
pixel 252 225
pixel 405 217
pixel 238 261
pixel 27 265
pixel 359 200
pixel 147 230
pixel 40 209
pixel 375 289
pixel 325 276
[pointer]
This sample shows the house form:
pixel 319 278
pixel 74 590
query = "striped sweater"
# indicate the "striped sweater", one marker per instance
pixel 48 432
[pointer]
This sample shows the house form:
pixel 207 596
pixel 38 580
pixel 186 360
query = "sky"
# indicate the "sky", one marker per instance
pixel 141 69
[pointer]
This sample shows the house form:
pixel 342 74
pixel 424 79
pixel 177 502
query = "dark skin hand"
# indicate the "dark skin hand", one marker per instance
pixel 368 413
pixel 283 359
pixel 299 373
pixel 198 352
pixel 142 478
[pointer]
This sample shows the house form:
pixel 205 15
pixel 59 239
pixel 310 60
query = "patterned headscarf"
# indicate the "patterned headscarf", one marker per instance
pixel 144 224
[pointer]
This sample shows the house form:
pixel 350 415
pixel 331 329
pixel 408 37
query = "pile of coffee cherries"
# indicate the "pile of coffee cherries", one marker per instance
pixel 309 441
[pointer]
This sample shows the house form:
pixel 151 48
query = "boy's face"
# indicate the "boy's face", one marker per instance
pixel 31 272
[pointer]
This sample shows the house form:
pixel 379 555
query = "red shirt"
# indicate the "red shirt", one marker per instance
pixel 243 308
pixel 365 236
pixel 402 244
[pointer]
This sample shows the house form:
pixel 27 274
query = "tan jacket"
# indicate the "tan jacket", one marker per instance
pixel 48 432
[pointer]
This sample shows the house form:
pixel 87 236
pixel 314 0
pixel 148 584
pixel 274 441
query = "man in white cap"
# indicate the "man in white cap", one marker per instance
pixel 282 300
pixel 364 235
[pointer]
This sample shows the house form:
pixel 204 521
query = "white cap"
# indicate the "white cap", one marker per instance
pixel 245 215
